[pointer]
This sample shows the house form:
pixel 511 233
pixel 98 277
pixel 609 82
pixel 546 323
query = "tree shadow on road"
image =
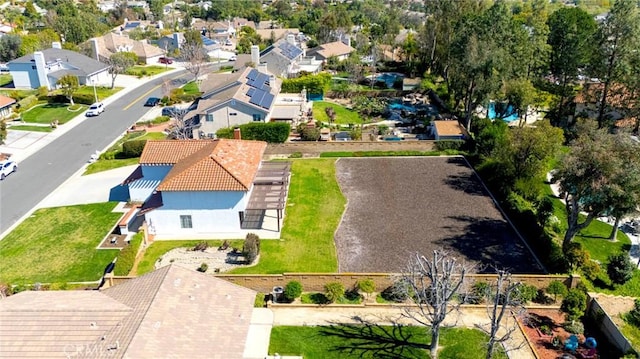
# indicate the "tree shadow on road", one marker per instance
pixel 370 340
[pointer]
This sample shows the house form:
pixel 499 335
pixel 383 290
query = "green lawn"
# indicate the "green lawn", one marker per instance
pixel 5 79
pixel 314 208
pixel 343 115
pixel 50 112
pixel 31 128
pixel 147 70
pixel 191 88
pixel 633 334
pixel 105 165
pixel 58 245
pixel 352 341
pixel 102 92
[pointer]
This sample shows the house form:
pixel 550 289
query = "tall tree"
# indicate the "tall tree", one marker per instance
pixel 193 53
pixel 69 85
pixel 10 47
pixel 119 62
pixel 571 35
pixel 618 42
pixel 432 283
pixel 599 176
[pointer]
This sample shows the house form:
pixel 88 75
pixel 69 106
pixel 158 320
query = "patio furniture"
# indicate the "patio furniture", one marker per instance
pixel 571 344
pixel 114 239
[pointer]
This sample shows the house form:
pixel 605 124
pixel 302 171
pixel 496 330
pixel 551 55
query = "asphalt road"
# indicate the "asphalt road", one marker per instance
pixel 42 172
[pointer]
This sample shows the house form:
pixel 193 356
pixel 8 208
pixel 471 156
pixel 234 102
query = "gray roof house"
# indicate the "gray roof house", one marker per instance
pixel 44 68
pixel 281 56
pixel 233 99
pixel 172 312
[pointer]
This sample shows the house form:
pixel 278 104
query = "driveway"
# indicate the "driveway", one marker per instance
pixel 94 188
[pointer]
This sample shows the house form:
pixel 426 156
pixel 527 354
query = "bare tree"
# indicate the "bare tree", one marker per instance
pixel 193 52
pixel 432 283
pixel 182 128
pixel 502 299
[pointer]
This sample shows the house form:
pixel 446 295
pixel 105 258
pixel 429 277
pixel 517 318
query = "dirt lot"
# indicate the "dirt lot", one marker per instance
pixel 397 206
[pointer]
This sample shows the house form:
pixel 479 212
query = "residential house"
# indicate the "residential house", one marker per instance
pixel 175 41
pixel 621 102
pixel 239 22
pixel 5 106
pixel 338 49
pixel 172 312
pixel 232 99
pixel 6 29
pixel 44 68
pixel 204 188
pixel 104 46
pixel 276 34
pixel 281 57
pixel 215 30
pixel 448 130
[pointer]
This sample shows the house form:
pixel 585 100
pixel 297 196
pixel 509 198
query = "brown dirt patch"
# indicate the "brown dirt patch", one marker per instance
pixel 553 319
pixel 398 206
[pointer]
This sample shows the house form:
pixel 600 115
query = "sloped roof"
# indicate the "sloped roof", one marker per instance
pixel 111 43
pixel 84 63
pixel 171 312
pixel 265 33
pixel 449 128
pixel 6 101
pixel 211 165
pixel 336 48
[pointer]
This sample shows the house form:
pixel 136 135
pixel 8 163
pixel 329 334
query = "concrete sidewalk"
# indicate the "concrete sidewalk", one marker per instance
pixel 517 347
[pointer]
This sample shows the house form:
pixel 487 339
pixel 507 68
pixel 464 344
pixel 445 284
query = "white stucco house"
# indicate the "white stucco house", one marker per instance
pixel 104 46
pixel 233 99
pixel 205 188
pixel 44 68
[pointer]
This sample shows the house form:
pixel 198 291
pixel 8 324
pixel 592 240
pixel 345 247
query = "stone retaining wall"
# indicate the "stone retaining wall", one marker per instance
pixel 608 327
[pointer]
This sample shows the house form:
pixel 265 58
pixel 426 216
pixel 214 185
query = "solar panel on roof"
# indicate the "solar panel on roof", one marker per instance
pixel 207 41
pixel 257 97
pixel 252 74
pixel 266 100
pixel 261 80
pixel 250 92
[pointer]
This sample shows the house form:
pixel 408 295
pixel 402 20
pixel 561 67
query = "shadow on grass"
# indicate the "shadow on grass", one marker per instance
pixel 371 340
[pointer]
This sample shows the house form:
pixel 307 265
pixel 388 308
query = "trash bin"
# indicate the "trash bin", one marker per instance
pixel 277 294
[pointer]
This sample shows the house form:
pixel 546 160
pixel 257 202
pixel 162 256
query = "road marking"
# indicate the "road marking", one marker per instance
pixel 141 97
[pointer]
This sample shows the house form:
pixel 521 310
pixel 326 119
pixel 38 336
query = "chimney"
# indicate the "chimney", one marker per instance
pixel 346 40
pixel 236 134
pixel 255 55
pixel 262 67
pixel 94 49
pixel 56 45
pixel 291 39
pixel 272 81
pixel 38 58
pixel 176 39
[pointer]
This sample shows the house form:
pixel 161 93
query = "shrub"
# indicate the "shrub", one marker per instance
pixel 366 286
pixel 203 267
pixel 526 293
pixel 574 304
pixel 132 149
pixel 310 134
pixel 127 256
pixel 397 292
pixel 43 91
pixel 334 291
pixel 591 270
pixel 480 291
pixel 557 288
pixel 260 301
pixel 633 316
pixel 201 246
pixel 574 327
pixel 449 145
pixel 296 155
pixel 292 290
pixel 251 247
pixel 27 103
pixel 271 132
pixel 620 268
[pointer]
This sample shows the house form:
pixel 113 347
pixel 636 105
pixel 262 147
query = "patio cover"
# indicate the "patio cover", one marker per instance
pixel 270 188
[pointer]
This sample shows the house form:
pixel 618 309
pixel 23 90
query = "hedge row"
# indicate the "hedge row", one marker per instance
pixel 271 132
pixel 127 256
pixel 85 99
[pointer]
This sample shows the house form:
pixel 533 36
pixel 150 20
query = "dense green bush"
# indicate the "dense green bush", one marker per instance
pixel 480 291
pixel 310 134
pixel 574 304
pixel 397 292
pixel 449 145
pixel 292 290
pixel 526 293
pixel 367 286
pixel 27 103
pixel 633 316
pixel 619 268
pixel 127 256
pixel 557 288
pixel 334 291
pixel 203 267
pixel 251 247
pixel 574 327
pixel 132 149
pixel 271 132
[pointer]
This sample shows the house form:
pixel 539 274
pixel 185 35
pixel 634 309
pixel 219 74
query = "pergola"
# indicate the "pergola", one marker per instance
pixel 270 188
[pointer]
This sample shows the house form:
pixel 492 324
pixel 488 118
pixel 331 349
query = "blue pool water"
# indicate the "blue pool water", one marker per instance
pixel 512 114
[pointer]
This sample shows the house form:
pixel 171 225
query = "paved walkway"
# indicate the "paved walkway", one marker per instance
pixel 517 347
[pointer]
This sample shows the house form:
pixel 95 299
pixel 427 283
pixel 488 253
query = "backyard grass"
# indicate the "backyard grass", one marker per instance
pixel 58 245
pixel 314 208
pixel 50 112
pixel 105 165
pixel 343 116
pixel 102 92
pixel 191 88
pixel 31 128
pixel 147 70
pixel 5 79
pixel 633 334
pixel 351 341
pixel 389 153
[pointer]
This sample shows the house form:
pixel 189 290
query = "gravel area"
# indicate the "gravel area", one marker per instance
pixel 399 206
pixel 223 260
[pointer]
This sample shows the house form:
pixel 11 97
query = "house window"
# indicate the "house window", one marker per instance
pixel 209 117
pixel 241 214
pixel 33 67
pixel 185 222
pixel 257 117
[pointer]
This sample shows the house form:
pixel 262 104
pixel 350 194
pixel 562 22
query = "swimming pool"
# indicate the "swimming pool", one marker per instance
pixel 512 114
pixel 389 78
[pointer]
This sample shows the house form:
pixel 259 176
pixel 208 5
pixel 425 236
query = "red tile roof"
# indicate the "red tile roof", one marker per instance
pixel 206 165
pixel 6 101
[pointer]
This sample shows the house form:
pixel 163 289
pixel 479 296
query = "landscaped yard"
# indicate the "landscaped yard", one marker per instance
pixel 105 165
pixel 102 92
pixel 147 70
pixel 31 128
pixel 352 341
pixel 50 112
pixel 343 116
pixel 191 88
pixel 56 245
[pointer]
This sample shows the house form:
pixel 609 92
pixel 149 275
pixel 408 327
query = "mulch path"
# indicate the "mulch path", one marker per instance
pixel 399 206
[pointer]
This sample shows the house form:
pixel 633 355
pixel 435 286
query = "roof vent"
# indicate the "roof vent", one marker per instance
pixel 192 297
pixel 228 296
pixel 93 325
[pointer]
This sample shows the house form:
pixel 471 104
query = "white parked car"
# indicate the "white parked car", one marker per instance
pixel 95 109
pixel 6 168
